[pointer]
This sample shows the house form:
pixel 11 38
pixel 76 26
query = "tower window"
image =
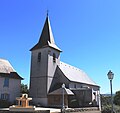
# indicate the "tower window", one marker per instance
pixel 39 57
pixel 54 57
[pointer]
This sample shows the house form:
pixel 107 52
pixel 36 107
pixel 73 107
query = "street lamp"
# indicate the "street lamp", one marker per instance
pixel 63 87
pixel 110 77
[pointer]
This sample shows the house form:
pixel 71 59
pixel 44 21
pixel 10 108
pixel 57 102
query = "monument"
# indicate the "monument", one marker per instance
pixel 23 104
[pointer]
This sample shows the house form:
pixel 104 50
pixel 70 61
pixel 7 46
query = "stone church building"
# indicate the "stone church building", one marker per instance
pixel 48 74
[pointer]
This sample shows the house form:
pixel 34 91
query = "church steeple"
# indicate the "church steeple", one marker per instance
pixel 46 38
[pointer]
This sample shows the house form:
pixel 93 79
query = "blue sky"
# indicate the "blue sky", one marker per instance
pixel 88 32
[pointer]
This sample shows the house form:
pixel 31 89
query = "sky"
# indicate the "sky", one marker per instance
pixel 87 31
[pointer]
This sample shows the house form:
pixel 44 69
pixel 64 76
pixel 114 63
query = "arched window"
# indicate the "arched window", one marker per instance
pixel 39 57
pixel 54 57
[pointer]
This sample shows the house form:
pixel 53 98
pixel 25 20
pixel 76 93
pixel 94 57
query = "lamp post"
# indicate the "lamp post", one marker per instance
pixel 110 77
pixel 63 87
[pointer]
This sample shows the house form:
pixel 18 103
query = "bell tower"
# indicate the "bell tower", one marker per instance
pixel 45 56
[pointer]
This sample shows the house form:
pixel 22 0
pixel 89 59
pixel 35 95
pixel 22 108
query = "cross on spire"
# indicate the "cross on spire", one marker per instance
pixel 47 12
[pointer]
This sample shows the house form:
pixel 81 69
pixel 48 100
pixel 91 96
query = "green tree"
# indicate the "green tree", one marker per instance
pixel 117 98
pixel 24 88
pixel 105 100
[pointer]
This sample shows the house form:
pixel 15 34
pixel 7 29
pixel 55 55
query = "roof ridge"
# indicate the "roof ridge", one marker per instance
pixel 71 66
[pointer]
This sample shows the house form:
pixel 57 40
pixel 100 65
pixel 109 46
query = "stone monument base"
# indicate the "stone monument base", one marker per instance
pixel 36 111
pixel 18 108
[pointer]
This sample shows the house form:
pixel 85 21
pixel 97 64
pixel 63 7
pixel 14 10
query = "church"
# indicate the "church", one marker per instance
pixel 48 75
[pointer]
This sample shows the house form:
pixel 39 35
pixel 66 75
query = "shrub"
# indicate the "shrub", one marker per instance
pixel 107 109
pixel 117 98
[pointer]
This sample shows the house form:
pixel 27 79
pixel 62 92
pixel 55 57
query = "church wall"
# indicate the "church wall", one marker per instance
pixel 38 87
pixel 55 81
pixel 62 78
pixel 42 73
pixel 38 75
pixel 81 88
pixel 40 101
pixel 92 91
pixel 52 65
pixel 39 68
pixel 82 85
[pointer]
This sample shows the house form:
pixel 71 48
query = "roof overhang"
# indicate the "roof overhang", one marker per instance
pixel 60 92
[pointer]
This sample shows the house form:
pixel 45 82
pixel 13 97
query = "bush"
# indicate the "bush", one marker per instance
pixel 117 98
pixel 24 88
pixel 117 109
pixel 107 109
pixel 105 100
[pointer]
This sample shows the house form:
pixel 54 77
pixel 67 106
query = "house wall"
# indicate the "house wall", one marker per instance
pixel 13 90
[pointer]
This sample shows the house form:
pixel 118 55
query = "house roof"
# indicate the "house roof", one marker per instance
pixel 6 70
pixel 5 66
pixel 46 38
pixel 60 92
pixel 75 74
pixel 13 75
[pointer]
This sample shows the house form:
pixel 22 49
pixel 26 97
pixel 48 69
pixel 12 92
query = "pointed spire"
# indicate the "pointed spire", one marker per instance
pixel 46 38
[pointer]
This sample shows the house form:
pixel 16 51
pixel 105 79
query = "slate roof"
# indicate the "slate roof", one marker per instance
pixel 6 70
pixel 60 92
pixel 76 75
pixel 46 38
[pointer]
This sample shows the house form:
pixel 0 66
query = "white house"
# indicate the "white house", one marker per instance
pixel 10 82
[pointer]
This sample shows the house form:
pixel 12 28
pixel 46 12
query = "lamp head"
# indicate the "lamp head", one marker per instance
pixel 110 75
pixel 63 85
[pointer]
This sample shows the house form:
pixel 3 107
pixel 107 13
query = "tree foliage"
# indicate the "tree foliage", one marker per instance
pixel 24 88
pixel 117 98
pixel 105 100
pixel 106 103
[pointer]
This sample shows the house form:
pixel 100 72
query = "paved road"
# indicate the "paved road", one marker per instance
pixel 52 110
pixel 87 112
